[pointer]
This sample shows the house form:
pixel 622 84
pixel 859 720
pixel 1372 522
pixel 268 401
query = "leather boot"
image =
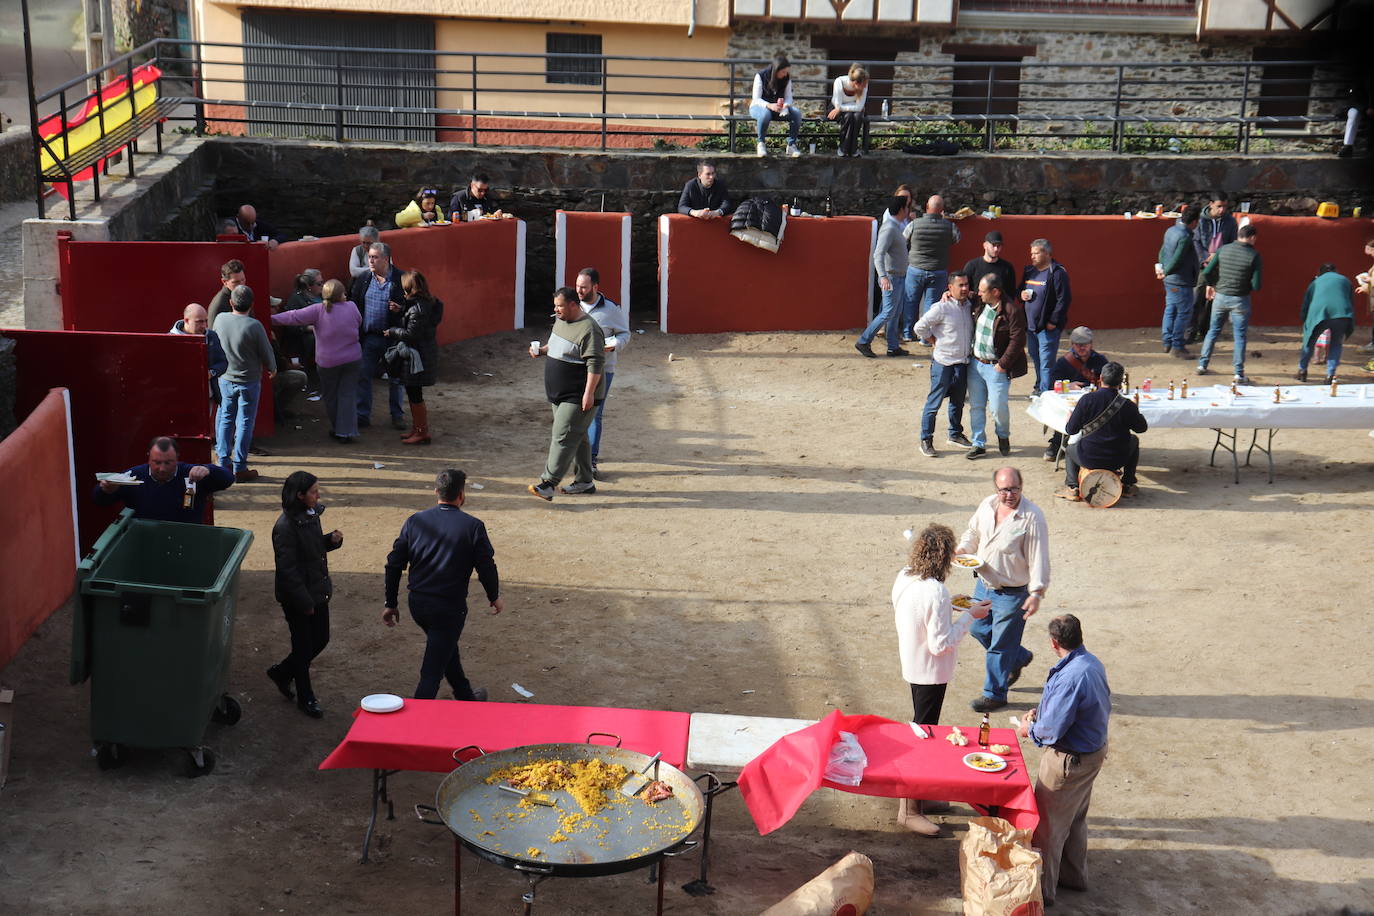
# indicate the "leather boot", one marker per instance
pixel 909 817
pixel 420 434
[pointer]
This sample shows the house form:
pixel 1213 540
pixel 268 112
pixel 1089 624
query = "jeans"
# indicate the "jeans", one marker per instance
pixel 765 115
pixel 891 315
pixel 945 381
pixel 569 446
pixel 238 412
pixel 923 286
pixel 309 636
pixel 1337 327
pixel 1237 308
pixel 1000 634
pixel 986 383
pixel 1072 464
pixel 594 431
pixel 374 345
pixel 1044 350
pixel 1178 316
pixel 442 622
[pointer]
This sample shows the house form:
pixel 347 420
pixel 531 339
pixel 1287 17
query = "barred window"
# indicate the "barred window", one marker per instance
pixel 582 71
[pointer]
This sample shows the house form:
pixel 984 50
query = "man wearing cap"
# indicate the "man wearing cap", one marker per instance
pixel 1046 294
pixel 1104 420
pixel 1079 368
pixel 991 261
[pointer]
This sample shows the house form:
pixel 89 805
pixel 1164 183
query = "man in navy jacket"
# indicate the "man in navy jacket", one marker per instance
pixel 160 494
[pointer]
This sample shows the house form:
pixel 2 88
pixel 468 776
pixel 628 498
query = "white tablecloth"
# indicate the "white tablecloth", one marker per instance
pixel 1213 407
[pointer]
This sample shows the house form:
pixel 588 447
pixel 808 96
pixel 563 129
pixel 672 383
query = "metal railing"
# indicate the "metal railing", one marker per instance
pixel 1121 107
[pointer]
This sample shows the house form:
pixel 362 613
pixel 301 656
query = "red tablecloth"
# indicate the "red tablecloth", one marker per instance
pixel 424 734
pixel 775 783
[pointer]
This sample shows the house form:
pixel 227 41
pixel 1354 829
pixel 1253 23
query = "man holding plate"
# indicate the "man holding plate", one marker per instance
pixel 1008 533
pixel 165 489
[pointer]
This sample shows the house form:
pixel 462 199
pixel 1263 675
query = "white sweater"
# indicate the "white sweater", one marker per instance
pixel 846 102
pixel 926 639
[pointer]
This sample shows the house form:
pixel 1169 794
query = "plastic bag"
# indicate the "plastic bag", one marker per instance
pixel 847 761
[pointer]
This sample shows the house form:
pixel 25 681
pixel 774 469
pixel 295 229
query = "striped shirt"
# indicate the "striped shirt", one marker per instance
pixel 982 334
pixel 376 305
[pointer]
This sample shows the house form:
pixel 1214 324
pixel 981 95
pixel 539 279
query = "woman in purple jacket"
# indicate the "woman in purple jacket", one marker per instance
pixel 337 353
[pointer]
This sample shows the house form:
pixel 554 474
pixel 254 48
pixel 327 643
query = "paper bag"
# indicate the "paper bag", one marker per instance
pixel 999 872
pixel 843 889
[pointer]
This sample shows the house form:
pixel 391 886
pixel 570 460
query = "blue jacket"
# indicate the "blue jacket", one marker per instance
pixel 1075 706
pixel 161 502
pixel 442 546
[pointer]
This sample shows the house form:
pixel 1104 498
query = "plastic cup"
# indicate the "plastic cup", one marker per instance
pixel 534 348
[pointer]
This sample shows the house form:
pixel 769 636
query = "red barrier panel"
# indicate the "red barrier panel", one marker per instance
pixel 477 269
pixel 820 279
pixel 1110 261
pixel 124 390
pixel 37 522
pixel 600 240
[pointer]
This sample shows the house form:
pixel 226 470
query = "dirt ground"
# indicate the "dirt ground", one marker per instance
pixel 738 558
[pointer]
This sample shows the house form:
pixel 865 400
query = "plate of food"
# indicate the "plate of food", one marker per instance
pixel 963 213
pixel 1172 214
pixel 967 561
pixel 962 602
pixel 1146 214
pixel 982 760
pixel 382 702
pixel 118 477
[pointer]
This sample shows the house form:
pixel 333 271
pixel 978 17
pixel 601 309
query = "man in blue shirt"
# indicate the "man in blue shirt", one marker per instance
pixel 1071 724
pixel 160 494
pixel 378 295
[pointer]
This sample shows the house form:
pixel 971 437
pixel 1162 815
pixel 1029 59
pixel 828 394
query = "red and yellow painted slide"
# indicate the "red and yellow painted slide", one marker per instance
pixel 96 118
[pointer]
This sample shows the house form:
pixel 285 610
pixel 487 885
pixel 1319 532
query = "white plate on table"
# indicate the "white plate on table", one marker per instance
pixel 118 477
pixel 382 702
pixel 967 561
pixel 985 762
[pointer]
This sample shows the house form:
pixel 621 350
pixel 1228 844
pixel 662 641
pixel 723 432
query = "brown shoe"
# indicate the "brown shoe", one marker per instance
pixel 1069 493
pixel 908 817
pixel 247 475
pixel 1129 491
pixel 420 434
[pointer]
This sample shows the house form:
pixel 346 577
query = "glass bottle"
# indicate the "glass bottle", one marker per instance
pixel 1171 389
pixel 188 498
pixel 1183 390
pixel 984 732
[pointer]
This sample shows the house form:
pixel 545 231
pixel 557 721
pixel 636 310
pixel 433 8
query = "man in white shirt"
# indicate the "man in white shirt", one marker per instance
pixel 947 326
pixel 1009 534
pixel 615 326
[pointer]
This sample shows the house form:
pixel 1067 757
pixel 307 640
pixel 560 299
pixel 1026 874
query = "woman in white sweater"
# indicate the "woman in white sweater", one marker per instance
pixel 847 102
pixel 927 641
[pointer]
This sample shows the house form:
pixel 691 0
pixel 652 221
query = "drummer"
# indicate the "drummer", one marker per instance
pixel 157 490
pixel 1106 419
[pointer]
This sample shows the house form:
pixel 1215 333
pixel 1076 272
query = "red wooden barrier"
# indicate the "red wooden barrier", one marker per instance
pixel 125 389
pixel 600 240
pixel 820 279
pixel 477 269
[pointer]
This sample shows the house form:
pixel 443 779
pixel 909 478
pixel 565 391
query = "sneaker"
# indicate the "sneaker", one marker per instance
pixel 899 352
pixel 596 472
pixel 577 489
pixel 959 439
pixel 1069 493
pixel 479 694
pixel 928 448
pixel 1004 445
pixel 866 350
pixel 1203 370
pixel 1049 455
pixel 259 451
pixel 1368 348
pixel 761 149
pixel 283 681
pixel 1241 380
pixel 793 151
pixel 987 704
pixel 543 489
pixel 1016 672
pixel 976 452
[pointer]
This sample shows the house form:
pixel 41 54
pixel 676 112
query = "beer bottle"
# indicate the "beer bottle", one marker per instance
pixel 984 731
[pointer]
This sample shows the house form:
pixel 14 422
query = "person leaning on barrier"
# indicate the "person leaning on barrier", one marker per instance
pixel 848 98
pixel 195 323
pixel 1105 418
pixel 257 230
pixel 161 494
pixel 357 258
pixel 705 196
pixel 423 210
pixel 475 197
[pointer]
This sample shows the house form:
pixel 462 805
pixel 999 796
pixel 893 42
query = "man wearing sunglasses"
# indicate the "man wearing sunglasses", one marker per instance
pixel 475 197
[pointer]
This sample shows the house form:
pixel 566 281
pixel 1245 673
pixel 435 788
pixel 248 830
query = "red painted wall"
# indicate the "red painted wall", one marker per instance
pixel 819 279
pixel 472 267
pixel 594 240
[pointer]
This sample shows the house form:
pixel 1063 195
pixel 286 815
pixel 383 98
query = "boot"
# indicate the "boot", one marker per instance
pixel 909 817
pixel 420 434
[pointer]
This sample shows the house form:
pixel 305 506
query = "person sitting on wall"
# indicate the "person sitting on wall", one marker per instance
pixel 772 98
pixel 161 493
pixel 705 196
pixel 847 102
pixel 357 259
pixel 422 211
pixel 256 230
pixel 474 198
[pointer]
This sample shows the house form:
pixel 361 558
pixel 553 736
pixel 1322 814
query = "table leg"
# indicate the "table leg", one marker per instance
pixel 1235 462
pixel 457 877
pixel 714 786
pixel 379 794
pixel 1268 450
pixel 662 879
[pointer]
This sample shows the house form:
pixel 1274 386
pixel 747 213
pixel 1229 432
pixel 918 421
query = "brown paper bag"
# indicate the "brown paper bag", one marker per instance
pixel 999 872
pixel 843 889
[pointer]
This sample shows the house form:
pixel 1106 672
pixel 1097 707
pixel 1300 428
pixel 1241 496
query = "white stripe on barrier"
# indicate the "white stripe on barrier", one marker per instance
pixel 560 257
pixel 663 229
pixel 519 274
pixel 625 264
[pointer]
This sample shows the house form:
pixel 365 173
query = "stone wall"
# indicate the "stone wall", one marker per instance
pixel 16 165
pixel 138 22
pixel 328 189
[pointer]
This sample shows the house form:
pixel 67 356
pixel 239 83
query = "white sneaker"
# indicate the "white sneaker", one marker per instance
pixel 793 151
pixel 762 149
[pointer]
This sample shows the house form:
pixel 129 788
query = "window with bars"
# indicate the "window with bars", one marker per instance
pixel 580 71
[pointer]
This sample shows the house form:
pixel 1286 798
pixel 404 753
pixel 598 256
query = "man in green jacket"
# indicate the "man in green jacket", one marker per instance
pixel 1327 306
pixel 1231 274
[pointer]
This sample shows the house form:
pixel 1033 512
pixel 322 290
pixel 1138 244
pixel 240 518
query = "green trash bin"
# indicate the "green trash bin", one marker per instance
pixel 154 634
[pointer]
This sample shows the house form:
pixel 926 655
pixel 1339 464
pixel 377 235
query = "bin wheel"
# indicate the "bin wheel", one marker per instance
pixel 201 762
pixel 110 756
pixel 227 711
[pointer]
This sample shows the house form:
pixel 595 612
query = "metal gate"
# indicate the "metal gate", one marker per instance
pixel 300 65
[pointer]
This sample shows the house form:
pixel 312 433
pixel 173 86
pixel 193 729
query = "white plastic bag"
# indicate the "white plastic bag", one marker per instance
pixel 847 761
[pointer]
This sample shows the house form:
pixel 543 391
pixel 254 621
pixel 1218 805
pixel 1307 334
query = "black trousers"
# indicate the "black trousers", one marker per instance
pixel 852 125
pixel 1202 311
pixel 309 636
pixel 442 622
pixel 926 702
pixel 1071 465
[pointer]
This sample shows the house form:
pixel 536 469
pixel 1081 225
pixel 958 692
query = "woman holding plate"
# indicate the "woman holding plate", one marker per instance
pixel 928 637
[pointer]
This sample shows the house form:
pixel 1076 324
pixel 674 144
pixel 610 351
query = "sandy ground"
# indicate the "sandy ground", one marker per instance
pixel 746 540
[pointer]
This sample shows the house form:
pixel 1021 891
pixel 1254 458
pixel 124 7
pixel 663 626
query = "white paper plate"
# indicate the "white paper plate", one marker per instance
pixel 965 557
pixel 382 702
pixel 986 768
pixel 119 477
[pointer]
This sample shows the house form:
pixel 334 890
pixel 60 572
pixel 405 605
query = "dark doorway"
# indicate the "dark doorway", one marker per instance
pixel 986 84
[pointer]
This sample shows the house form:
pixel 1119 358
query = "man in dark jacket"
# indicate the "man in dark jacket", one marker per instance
pixel 378 295
pixel 474 197
pixel 1178 267
pixel 1215 228
pixel 1080 368
pixel 705 196
pixel 442 546
pixel 1232 274
pixel 929 240
pixel 1106 419
pixel 999 355
pixel 1045 291
pixel 195 323
pixel 161 493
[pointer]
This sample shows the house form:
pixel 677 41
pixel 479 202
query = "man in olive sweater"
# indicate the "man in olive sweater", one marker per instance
pixel 1231 274
pixel 575 383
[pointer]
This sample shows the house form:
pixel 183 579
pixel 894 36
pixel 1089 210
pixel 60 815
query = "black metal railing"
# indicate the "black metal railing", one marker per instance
pixel 340 94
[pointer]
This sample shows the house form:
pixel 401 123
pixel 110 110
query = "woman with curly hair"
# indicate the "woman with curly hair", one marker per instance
pixel 927 641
